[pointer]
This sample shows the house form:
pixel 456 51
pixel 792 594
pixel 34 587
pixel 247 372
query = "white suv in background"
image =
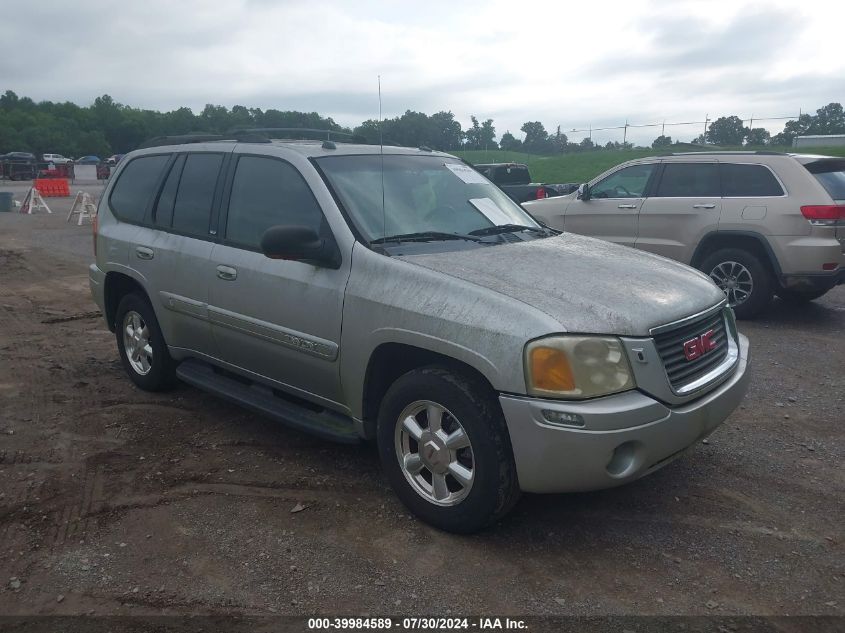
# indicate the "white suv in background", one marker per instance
pixel 758 223
pixel 56 159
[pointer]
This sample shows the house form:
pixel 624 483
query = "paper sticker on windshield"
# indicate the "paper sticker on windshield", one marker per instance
pixel 491 211
pixel 466 173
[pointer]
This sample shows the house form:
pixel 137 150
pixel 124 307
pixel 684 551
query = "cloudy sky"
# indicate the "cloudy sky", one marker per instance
pixel 575 65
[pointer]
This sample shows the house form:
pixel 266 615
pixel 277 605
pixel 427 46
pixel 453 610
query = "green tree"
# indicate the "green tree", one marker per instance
pixel 829 120
pixel 510 142
pixel 661 141
pixel 488 135
pixel 727 130
pixel 536 138
pixel 369 131
pixel 758 136
pixel 559 142
pixel 473 135
pixel 444 131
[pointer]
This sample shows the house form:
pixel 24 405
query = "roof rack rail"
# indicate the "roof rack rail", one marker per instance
pixel 761 152
pixel 267 132
pixel 183 139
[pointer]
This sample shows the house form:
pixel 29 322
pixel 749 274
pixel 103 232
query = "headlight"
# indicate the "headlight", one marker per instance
pixel 577 367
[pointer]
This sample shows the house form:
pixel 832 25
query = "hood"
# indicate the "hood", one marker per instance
pixel 587 285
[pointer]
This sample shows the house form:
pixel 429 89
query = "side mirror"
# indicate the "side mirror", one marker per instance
pixel 300 244
pixel 584 192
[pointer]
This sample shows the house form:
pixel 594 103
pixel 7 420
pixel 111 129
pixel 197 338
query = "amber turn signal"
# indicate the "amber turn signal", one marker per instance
pixel 550 370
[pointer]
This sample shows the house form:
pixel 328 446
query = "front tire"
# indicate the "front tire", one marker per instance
pixel 143 351
pixel 744 279
pixel 445 449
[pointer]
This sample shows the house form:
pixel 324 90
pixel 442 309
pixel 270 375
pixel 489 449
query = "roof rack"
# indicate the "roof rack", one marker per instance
pixel 255 135
pixel 761 152
pixel 183 139
pixel 300 133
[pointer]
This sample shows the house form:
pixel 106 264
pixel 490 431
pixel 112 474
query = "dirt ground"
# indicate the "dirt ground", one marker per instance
pixel 117 501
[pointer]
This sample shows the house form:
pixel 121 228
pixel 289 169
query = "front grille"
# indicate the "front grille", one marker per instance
pixel 670 346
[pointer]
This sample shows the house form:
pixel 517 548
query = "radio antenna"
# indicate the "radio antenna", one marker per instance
pixel 381 154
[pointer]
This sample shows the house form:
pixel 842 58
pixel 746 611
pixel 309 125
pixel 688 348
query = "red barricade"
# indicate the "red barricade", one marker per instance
pixel 52 187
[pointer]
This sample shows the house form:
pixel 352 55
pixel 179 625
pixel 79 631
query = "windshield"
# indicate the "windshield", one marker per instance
pixel 421 194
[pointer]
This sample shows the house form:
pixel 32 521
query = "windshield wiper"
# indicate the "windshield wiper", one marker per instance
pixel 425 236
pixel 506 228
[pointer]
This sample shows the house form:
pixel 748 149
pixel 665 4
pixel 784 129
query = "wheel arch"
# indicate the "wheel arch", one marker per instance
pixel 116 286
pixel 746 240
pixel 389 361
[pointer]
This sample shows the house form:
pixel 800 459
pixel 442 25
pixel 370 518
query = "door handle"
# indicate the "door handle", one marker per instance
pixel 709 205
pixel 627 206
pixel 227 273
pixel 142 252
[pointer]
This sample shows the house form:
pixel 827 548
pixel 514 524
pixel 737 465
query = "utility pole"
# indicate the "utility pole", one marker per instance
pixel 625 134
pixel 706 121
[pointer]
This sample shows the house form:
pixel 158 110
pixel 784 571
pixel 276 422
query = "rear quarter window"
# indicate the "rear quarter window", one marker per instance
pixel 136 186
pixel 748 181
pixel 831 176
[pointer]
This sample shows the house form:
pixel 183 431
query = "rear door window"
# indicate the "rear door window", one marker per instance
pixel 163 215
pixel 136 186
pixel 192 209
pixel 748 181
pixel 831 176
pixel 689 180
pixel 267 192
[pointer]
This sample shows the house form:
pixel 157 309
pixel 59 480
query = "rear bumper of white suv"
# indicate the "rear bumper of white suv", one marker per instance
pixel 623 437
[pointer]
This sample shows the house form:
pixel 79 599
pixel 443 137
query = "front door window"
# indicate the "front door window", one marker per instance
pixel 629 182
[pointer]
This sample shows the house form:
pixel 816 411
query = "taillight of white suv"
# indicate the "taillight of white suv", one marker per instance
pixel 824 214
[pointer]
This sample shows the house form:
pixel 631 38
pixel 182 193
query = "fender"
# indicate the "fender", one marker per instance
pixel 760 239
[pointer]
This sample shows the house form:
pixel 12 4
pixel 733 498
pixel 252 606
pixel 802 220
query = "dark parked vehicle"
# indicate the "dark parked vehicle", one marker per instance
pixel 515 180
pixel 88 160
pixel 18 166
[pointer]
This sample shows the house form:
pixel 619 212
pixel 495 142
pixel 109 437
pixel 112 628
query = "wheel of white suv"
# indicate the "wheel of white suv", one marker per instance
pixel 445 448
pixel 743 277
pixel 143 352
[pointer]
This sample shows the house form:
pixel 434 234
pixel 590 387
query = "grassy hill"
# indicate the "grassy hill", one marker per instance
pixel 583 166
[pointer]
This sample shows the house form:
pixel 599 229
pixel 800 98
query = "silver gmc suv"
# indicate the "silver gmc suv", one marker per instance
pixel 757 222
pixel 397 295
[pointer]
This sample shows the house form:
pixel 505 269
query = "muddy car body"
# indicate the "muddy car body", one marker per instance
pixel 403 298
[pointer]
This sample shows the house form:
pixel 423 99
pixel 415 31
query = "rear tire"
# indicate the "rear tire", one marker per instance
pixel 143 351
pixel 469 438
pixel 799 297
pixel 743 277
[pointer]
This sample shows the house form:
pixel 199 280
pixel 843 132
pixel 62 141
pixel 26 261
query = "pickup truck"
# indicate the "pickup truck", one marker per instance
pixel 515 180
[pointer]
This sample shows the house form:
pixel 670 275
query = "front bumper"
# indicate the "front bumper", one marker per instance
pixel 624 437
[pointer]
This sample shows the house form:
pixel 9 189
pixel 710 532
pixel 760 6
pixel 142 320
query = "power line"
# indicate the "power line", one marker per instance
pixel 705 122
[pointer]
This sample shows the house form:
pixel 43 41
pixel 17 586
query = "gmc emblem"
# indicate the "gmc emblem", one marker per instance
pixel 699 345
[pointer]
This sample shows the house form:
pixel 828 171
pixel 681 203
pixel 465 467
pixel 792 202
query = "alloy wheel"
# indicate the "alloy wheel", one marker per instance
pixel 735 280
pixel 434 453
pixel 136 343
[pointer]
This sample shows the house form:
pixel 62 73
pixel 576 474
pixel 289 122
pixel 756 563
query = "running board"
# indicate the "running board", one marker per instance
pixel 323 423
